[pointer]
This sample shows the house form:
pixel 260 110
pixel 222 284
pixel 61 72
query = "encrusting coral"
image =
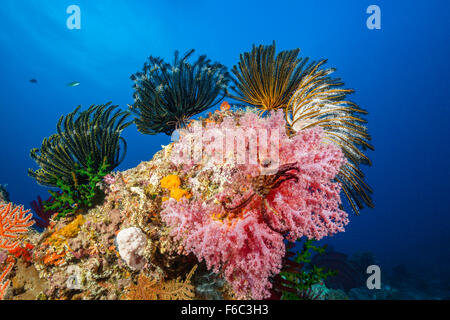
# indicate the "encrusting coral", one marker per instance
pixel 172 183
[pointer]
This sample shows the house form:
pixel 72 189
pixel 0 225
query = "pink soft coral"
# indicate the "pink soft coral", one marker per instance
pixel 246 245
pixel 245 250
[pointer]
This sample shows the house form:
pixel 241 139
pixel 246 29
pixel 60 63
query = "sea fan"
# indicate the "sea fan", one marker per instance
pixel 266 80
pixel 167 95
pixel 319 101
pixel 4 284
pixel 92 135
pixel 14 221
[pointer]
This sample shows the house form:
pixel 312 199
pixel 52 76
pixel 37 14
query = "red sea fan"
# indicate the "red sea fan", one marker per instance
pixel 13 223
pixel 5 283
pixel 239 231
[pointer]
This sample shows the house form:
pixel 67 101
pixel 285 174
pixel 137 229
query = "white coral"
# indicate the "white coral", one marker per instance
pixel 132 242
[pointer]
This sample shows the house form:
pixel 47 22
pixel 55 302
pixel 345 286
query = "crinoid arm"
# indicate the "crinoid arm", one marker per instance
pixel 267 80
pixel 320 101
pixel 166 95
pixel 91 135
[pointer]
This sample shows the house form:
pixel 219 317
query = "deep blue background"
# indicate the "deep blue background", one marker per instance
pixel 400 73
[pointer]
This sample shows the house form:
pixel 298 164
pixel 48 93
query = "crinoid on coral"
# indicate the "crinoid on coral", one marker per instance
pixel 319 100
pixel 266 80
pixel 92 134
pixel 167 95
pixel 238 215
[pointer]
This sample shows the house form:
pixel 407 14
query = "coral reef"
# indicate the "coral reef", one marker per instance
pixel 221 206
pixel 180 212
pixel 227 218
pixel 213 215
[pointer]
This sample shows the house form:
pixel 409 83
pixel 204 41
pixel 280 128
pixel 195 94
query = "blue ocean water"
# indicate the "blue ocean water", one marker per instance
pixel 400 74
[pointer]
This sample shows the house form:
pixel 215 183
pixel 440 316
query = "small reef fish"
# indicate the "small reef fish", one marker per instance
pixel 73 84
pixel 33 81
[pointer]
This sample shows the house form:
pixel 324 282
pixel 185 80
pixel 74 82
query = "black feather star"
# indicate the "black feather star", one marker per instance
pixel 91 135
pixel 166 95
